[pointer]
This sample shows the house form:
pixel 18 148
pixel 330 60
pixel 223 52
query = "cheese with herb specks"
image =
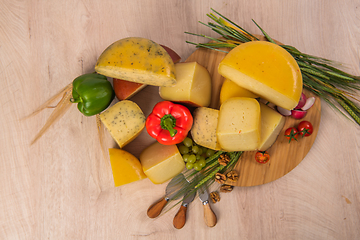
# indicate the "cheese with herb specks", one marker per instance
pixel 124 121
pixel 239 124
pixel 204 127
pixel 138 60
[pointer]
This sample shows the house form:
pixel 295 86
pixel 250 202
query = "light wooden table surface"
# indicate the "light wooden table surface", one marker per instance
pixel 62 188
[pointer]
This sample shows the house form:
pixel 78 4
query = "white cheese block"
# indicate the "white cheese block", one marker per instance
pixel 272 123
pixel 161 162
pixel 239 124
pixel 193 85
pixel 124 121
pixel 204 127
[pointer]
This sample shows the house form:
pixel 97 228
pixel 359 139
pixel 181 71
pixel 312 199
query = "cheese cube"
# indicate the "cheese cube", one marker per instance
pixel 272 123
pixel 124 121
pixel 229 89
pixel 265 69
pixel 126 167
pixel 204 128
pixel 138 60
pixel 239 124
pixel 193 85
pixel 161 162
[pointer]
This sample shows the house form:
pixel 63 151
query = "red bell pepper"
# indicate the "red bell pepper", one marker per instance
pixel 169 123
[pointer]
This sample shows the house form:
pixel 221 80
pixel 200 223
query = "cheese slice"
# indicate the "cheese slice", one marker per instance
pixel 229 89
pixel 138 60
pixel 124 121
pixel 126 168
pixel 204 128
pixel 161 162
pixel 265 69
pixel 193 85
pixel 239 124
pixel 272 123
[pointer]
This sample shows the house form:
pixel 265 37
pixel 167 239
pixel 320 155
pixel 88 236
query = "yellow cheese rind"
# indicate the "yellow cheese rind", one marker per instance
pixel 126 168
pixel 161 162
pixel 193 85
pixel 124 121
pixel 272 123
pixel 138 60
pixel 239 124
pixel 204 128
pixel 265 69
pixel 229 89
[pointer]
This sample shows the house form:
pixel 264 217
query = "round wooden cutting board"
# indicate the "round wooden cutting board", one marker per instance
pixel 284 156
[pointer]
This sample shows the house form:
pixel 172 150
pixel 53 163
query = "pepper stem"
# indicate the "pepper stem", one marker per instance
pixel 168 122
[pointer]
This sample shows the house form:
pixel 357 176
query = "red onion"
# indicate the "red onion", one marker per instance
pixel 309 102
pixel 302 101
pixel 298 114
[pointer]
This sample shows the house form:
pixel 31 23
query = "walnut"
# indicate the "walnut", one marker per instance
pixel 233 176
pixel 215 197
pixel 226 188
pixel 224 159
pixel 220 178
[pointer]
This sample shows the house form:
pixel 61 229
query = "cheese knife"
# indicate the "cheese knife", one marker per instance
pixel 209 215
pixel 171 192
pixel 180 217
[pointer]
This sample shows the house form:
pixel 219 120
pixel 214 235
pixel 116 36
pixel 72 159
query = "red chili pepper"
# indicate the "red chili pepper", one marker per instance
pixel 169 123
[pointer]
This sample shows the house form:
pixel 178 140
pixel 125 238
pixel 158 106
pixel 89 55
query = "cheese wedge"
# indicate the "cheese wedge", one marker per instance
pixel 265 69
pixel 161 162
pixel 229 89
pixel 126 168
pixel 204 128
pixel 193 85
pixel 239 124
pixel 124 121
pixel 272 123
pixel 137 60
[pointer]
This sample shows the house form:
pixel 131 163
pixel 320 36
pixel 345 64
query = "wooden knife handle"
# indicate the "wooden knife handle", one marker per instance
pixel 209 216
pixel 180 217
pixel 155 209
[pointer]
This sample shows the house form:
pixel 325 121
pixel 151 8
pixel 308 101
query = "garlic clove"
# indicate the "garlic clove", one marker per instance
pixel 283 111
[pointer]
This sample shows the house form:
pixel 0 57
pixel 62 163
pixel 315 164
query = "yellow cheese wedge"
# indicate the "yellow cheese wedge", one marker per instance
pixel 124 121
pixel 204 128
pixel 239 124
pixel 265 69
pixel 126 168
pixel 161 162
pixel 137 60
pixel 272 123
pixel 229 89
pixel 193 85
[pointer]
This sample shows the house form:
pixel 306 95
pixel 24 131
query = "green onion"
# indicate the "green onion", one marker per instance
pixel 320 75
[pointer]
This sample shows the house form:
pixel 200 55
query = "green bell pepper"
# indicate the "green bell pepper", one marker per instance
pixel 92 92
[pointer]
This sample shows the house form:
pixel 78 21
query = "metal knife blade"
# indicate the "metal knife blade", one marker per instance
pixel 189 197
pixel 203 195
